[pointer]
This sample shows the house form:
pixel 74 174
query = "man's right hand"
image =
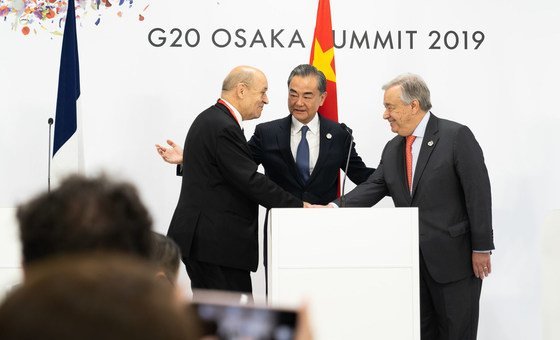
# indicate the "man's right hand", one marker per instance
pixel 173 154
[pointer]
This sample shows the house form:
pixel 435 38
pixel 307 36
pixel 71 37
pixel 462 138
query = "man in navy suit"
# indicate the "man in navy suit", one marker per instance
pixel 438 166
pixel 276 144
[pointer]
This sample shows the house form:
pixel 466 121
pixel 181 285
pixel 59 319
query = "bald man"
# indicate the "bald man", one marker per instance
pixel 216 219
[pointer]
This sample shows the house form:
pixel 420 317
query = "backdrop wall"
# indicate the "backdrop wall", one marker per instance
pixel 496 70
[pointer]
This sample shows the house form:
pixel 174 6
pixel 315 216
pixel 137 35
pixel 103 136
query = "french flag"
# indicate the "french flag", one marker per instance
pixel 68 145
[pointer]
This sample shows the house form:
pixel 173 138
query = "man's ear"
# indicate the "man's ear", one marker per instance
pixel 323 97
pixel 415 104
pixel 240 90
pixel 161 277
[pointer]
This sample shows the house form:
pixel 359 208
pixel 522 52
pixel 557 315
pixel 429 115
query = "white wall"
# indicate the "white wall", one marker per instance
pixel 135 95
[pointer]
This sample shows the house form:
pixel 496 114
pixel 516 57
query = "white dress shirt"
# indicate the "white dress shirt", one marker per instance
pixel 312 136
pixel 236 113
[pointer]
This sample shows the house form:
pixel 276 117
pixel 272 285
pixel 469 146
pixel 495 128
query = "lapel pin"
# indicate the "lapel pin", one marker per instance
pixel 329 136
pixel 431 143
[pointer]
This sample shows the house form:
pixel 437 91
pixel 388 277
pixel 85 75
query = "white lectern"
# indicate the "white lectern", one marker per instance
pixel 10 251
pixel 550 237
pixel 357 267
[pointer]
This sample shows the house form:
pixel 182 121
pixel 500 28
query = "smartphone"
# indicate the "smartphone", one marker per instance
pixel 236 322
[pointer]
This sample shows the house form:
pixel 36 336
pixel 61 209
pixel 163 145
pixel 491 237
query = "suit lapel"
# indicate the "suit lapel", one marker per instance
pixel 429 142
pixel 324 147
pixel 283 139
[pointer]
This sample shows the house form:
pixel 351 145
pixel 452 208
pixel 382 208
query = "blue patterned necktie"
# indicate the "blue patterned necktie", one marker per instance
pixel 302 156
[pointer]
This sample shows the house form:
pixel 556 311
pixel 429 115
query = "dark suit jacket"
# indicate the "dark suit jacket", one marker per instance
pixel 270 146
pixel 216 218
pixel 451 190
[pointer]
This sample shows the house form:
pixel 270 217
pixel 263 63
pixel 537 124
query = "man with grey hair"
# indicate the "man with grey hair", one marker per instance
pixel 438 166
pixel 216 219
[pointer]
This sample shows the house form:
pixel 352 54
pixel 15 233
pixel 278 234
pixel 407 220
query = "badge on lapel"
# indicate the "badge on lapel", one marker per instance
pixel 431 143
pixel 329 136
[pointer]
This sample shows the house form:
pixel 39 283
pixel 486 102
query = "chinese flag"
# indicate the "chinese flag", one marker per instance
pixel 322 57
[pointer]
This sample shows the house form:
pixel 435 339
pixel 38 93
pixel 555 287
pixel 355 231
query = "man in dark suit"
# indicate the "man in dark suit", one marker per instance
pixel 277 144
pixel 215 222
pixel 437 165
pixel 310 173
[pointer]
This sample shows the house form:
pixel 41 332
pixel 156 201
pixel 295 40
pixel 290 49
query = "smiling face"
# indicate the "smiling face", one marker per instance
pixel 253 97
pixel 402 117
pixel 304 98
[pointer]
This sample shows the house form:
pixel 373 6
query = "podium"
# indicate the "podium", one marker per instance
pixel 550 236
pixel 10 252
pixel 357 268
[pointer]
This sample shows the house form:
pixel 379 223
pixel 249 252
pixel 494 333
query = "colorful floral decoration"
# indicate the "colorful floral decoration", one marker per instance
pixel 28 16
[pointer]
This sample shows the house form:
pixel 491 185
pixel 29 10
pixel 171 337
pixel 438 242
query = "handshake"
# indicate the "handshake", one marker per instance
pixel 309 205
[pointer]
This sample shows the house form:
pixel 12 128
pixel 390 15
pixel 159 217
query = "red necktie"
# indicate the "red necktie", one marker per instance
pixel 409 141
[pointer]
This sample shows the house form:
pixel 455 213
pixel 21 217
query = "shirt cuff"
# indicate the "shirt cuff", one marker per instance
pixel 483 251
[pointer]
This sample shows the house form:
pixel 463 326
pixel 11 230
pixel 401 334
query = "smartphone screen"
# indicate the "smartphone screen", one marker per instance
pixel 234 322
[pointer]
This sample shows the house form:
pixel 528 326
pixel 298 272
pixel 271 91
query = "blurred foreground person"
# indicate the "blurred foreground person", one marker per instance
pixel 90 298
pixel 84 215
pixel 166 256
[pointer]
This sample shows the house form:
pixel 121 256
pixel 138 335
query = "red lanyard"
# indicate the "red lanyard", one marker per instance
pixel 230 110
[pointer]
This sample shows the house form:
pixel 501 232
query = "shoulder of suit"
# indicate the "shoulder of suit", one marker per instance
pixel 327 121
pixel 218 118
pixel 449 124
pixel 451 129
pixel 331 126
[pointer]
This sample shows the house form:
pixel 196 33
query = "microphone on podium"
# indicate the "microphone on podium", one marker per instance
pixel 50 122
pixel 347 162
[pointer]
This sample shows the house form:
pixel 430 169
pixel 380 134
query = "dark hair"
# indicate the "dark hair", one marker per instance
pixel 108 297
pixel 306 70
pixel 166 255
pixel 84 214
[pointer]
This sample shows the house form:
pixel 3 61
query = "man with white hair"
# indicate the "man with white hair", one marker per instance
pixel 436 165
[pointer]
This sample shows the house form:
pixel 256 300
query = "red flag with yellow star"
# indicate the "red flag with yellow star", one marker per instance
pixel 322 57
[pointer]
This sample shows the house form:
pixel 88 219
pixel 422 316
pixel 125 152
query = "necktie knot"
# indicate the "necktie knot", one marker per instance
pixel 304 130
pixel 409 140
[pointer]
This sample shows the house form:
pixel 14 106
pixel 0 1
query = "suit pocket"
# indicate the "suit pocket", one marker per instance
pixel 458 229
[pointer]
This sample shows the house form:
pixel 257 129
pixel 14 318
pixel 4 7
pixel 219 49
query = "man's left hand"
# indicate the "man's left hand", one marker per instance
pixel 172 154
pixel 481 263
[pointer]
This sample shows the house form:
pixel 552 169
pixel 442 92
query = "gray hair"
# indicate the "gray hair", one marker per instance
pixel 306 70
pixel 412 87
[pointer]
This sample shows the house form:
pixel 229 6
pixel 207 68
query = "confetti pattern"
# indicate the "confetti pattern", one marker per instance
pixel 34 16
